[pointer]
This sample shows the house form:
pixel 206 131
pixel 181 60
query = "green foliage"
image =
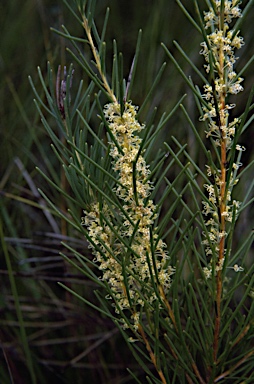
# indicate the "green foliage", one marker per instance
pixel 149 269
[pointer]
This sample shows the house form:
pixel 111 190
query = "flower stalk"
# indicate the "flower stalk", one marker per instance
pixel 219 53
pixel 97 59
pixel 125 250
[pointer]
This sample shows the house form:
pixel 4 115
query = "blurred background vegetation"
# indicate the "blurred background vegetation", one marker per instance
pixel 47 336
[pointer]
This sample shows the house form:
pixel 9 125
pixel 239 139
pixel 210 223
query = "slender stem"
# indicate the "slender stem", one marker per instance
pixel 222 198
pixel 151 354
pixel 242 334
pixel 229 371
pixel 221 251
pixel 172 317
pixel 98 60
pixel 170 311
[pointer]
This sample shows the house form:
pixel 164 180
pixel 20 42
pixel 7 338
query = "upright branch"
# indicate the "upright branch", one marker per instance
pixel 97 59
pixel 220 59
pixel 126 255
pixel 124 240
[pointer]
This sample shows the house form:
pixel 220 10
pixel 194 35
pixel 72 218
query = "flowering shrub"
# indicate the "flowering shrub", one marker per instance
pixel 177 299
pixel 129 262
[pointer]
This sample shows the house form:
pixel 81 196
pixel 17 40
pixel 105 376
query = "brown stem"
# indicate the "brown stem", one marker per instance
pixel 229 371
pixel 222 202
pixel 221 251
pixel 151 354
pixel 172 317
pixel 170 311
pixel 242 334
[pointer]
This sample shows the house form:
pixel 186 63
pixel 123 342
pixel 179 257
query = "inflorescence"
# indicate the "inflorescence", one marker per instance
pixel 132 259
pixel 219 53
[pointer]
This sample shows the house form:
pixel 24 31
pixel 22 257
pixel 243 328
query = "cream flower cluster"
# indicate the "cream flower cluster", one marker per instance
pixel 127 269
pixel 231 10
pixel 219 51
